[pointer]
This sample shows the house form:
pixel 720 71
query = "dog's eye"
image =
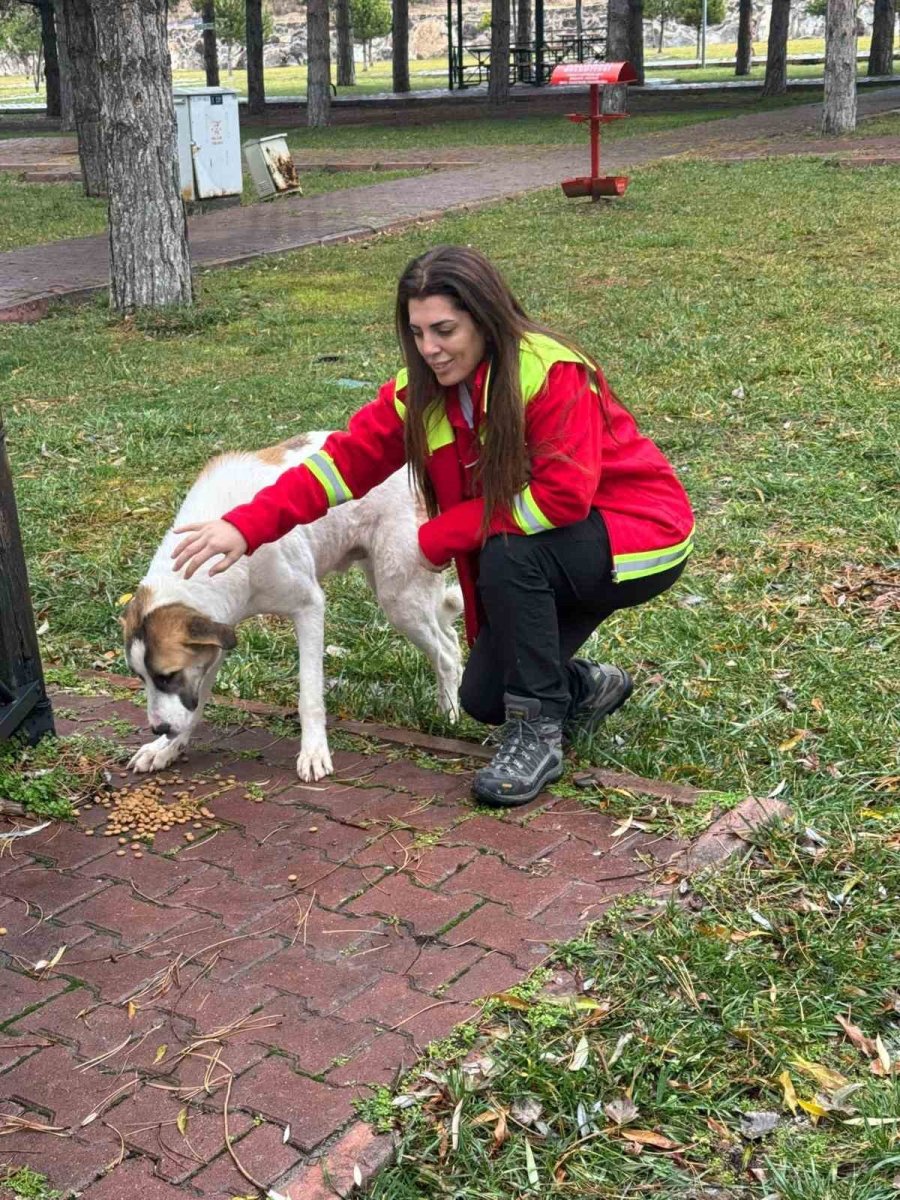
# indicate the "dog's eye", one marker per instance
pixel 164 679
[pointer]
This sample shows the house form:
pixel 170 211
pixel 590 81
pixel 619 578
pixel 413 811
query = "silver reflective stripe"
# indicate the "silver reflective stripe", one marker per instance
pixel 525 517
pixel 328 469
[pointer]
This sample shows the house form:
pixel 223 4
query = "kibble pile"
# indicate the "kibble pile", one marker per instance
pixel 147 809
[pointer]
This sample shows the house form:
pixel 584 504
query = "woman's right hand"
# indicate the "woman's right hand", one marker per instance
pixel 206 540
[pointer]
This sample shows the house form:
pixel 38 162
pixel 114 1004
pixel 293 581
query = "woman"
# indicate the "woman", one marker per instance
pixel 537 484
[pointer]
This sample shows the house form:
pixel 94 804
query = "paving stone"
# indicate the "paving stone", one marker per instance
pixel 30 942
pixel 336 842
pixel 313 1110
pixel 379 1065
pixel 66 847
pixel 314 1042
pixel 437 964
pixel 433 865
pixel 324 986
pixel 262 1153
pixel 496 929
pixel 112 974
pixel 403 776
pixel 425 912
pixel 516 845
pixel 578 820
pixel 437 1021
pixel 213 891
pixel 152 875
pixel 135 1177
pixel 339 801
pixel 389 1001
pixel 575 908
pixel 20 992
pixel 214 1006
pixel 358 1153
pixel 118 910
pixel 272 862
pixel 46 1082
pixel 70 1164
pixel 490 975
pixel 524 892
pixel 47 889
pixel 399 808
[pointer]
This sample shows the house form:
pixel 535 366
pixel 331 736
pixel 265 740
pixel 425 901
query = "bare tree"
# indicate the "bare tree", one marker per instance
pixel 343 27
pixel 636 37
pixel 524 36
pixel 66 98
pixel 839 109
pixel 148 247
pixel 400 41
pixel 498 77
pixel 775 83
pixel 881 52
pixel 82 49
pixel 256 90
pixel 210 43
pixel 744 56
pixel 318 85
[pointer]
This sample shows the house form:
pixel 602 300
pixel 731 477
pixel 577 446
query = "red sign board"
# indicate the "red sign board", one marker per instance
pixel 594 72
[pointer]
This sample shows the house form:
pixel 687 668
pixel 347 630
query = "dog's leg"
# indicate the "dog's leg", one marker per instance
pixel 314 759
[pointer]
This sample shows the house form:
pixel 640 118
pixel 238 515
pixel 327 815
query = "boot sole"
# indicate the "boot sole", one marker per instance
pixel 483 796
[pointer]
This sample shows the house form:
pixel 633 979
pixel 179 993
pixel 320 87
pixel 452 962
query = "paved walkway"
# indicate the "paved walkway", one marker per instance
pixel 31 277
pixel 277 951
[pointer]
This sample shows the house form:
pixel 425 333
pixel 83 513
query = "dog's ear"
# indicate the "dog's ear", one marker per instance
pixel 133 614
pixel 201 631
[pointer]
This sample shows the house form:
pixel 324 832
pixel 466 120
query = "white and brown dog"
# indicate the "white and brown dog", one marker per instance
pixel 178 630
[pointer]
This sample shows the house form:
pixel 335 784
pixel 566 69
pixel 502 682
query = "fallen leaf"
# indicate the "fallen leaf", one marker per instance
pixel 357 1175
pixel 793 741
pixel 511 1001
pixel 814 1110
pixel 790 1096
pixel 621 1111
pixel 648 1137
pixel 526 1111
pixel 181 1122
pixel 160 1053
pixel 883 1057
pixel 531 1166
pixel 580 1055
pixel 857 1037
pixel 759 1124
pixel 620 1046
pixel 825 1077
pixel 454 1125
pixel 132 1010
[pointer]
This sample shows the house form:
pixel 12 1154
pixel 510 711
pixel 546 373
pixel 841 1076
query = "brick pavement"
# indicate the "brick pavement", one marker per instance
pixel 33 276
pixel 200 981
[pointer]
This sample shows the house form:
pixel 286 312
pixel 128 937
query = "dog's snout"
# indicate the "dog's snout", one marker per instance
pixel 162 728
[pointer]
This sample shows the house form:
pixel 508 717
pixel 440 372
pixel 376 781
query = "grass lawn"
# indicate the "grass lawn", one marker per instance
pixel 743 313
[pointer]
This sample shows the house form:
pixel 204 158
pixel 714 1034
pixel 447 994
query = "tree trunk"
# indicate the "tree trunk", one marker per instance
pixel 79 22
pixel 256 90
pixel 24 707
pixel 776 52
pixel 346 68
pixel 881 53
pixel 618 48
pixel 579 23
pixel 51 58
pixel 318 85
pixel 839 109
pixel 149 262
pixel 636 37
pixel 66 99
pixel 400 40
pixel 744 56
pixel 498 76
pixel 210 43
pixel 524 39
pixel 662 34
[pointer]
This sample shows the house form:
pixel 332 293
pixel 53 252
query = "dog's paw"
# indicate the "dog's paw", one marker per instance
pixel 155 756
pixel 314 763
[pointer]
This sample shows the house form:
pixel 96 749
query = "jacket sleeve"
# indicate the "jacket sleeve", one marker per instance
pixel 348 465
pixel 564 434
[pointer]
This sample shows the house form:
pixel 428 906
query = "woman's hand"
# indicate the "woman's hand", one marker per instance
pixel 206 540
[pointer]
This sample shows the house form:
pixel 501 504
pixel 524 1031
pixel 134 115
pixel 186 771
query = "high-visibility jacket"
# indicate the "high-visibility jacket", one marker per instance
pixel 585 451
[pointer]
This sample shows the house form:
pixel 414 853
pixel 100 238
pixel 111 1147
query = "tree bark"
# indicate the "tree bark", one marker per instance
pixel 524 38
pixel 498 77
pixel 579 21
pixel 346 68
pixel 79 22
pixel 66 99
pixel 24 707
pixel 318 86
pixel 51 58
pixel 881 52
pixel 636 38
pixel 744 56
pixel 210 44
pixel 618 48
pixel 400 40
pixel 776 51
pixel 256 89
pixel 149 262
pixel 839 109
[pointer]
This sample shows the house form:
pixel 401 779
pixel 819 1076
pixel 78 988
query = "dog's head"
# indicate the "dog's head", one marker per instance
pixel 174 649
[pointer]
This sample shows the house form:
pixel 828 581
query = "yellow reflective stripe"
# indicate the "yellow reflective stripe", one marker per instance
pixel 529 517
pixel 400 408
pixel 438 430
pixel 651 562
pixel 323 467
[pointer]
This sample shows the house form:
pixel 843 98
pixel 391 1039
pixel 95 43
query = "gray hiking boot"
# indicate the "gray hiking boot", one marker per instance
pixel 529 757
pixel 607 688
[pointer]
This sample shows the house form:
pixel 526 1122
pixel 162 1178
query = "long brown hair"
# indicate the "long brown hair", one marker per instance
pixel 473 284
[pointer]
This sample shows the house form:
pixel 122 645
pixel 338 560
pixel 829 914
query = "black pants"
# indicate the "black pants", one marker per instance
pixel 543 596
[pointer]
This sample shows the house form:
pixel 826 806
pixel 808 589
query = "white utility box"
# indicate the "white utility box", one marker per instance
pixel 209 144
pixel 271 166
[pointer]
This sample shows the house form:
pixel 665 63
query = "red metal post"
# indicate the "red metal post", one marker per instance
pixel 595 130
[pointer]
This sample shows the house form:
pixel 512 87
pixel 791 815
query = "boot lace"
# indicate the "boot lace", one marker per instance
pixel 521 748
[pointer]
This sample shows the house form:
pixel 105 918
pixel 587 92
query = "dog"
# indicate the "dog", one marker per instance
pixel 177 630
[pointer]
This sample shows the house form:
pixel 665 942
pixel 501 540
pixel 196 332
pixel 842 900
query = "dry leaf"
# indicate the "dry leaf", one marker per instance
pixel 580 1055
pixel 790 1096
pixel 857 1037
pixel 357 1175
pixel 160 1053
pixel 815 1110
pixel 531 1166
pixel 132 1010
pixel 759 1124
pixel 454 1126
pixel 793 741
pixel 648 1137
pixel 511 1001
pixel 620 1046
pixel 825 1077
pixel 883 1057
pixel 526 1111
pixel 621 1110
pixel 181 1122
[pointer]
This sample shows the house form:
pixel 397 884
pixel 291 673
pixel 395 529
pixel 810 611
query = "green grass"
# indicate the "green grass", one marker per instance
pixel 743 313
pixel 25 1184
pixel 49 780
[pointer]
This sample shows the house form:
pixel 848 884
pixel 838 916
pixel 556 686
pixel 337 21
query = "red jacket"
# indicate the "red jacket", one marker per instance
pixel 583 454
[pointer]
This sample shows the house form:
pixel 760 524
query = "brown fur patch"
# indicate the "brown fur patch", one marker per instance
pixel 176 636
pixel 277 454
pixel 136 610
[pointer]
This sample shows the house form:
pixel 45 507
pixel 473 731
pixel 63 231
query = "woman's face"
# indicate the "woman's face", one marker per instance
pixel 447 338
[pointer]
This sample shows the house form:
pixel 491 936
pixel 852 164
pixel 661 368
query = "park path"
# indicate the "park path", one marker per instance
pixel 282 951
pixel 32 276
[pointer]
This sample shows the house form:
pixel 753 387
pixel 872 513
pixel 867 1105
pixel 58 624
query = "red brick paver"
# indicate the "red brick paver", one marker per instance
pixel 200 982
